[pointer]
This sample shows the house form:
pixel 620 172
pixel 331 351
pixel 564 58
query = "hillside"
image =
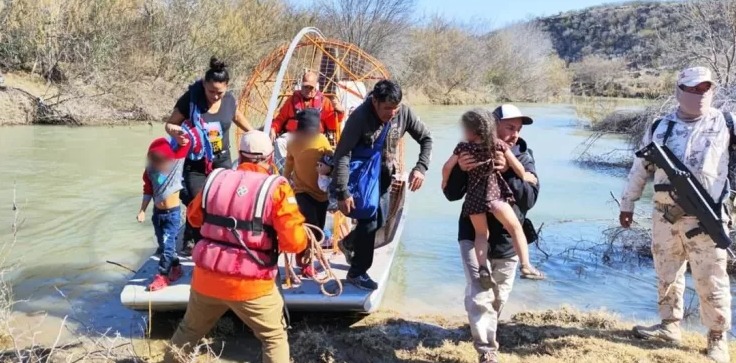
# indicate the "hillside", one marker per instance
pixel 634 31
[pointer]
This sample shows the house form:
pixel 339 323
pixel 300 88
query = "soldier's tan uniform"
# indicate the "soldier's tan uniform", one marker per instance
pixel 703 147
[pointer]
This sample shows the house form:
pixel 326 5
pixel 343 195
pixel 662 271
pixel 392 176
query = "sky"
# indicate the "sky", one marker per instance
pixel 493 13
pixel 502 12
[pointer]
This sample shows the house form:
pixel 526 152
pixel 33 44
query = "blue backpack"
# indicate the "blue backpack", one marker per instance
pixel 365 175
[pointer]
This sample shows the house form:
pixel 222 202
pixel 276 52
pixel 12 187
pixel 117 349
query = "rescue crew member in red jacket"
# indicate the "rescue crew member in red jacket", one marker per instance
pixel 309 96
pixel 242 213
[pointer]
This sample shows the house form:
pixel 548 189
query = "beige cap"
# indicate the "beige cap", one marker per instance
pixel 694 76
pixel 256 143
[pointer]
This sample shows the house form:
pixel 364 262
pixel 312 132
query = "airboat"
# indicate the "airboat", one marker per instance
pixel 345 71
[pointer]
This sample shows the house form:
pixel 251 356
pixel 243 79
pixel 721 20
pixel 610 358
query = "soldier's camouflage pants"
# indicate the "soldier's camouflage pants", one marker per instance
pixel 672 249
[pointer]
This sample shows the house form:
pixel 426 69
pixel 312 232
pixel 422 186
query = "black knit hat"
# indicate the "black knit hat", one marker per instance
pixel 308 120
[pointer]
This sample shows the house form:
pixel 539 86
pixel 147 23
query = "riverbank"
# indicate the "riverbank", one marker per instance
pixel 551 336
pixel 29 100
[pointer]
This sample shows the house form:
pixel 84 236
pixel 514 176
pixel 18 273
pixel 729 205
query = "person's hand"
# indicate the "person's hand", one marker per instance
pixel 499 162
pixel 626 219
pixel 141 217
pixel 346 206
pixel 416 179
pixel 179 135
pixel 467 162
pixel 530 178
pixel 272 134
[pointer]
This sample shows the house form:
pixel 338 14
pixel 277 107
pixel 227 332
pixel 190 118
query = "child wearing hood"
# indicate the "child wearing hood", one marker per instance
pixel 162 182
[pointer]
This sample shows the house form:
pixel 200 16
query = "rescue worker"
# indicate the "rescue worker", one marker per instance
pixel 309 96
pixel 263 210
pixel 383 108
pixel 699 136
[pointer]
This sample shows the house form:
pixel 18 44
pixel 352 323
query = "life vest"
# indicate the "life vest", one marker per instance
pixel 298 103
pixel 237 234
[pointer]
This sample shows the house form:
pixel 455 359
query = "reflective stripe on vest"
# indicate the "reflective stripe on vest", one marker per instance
pixel 238 209
pixel 297 102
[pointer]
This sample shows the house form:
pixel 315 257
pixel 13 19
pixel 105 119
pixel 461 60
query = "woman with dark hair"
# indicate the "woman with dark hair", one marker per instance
pixel 203 116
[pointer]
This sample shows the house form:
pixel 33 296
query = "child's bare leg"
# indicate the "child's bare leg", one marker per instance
pixel 505 214
pixel 480 225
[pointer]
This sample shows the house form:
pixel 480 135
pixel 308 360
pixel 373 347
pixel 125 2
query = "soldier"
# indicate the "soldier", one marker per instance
pixel 699 136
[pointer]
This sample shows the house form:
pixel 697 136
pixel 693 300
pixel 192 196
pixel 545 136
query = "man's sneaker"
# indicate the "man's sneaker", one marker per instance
pixel 485 279
pixel 345 251
pixel 308 271
pixel 159 282
pixel 363 282
pixel 187 247
pixel 718 347
pixel 667 331
pixel 488 357
pixel 175 273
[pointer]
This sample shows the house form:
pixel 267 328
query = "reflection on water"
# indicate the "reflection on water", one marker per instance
pixel 79 190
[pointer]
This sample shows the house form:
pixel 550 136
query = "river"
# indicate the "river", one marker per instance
pixel 78 190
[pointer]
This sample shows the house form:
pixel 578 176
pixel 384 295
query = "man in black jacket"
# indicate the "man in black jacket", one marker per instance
pixel 484 306
pixel 383 108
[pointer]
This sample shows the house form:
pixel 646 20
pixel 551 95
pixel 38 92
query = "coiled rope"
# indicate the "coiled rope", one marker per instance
pixel 314 255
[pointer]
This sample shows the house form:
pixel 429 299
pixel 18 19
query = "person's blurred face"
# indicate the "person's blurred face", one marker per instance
pixel 508 130
pixel 699 89
pixel 160 163
pixel 308 91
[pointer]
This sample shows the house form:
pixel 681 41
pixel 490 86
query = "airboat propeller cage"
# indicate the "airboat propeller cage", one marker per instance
pixel 343 68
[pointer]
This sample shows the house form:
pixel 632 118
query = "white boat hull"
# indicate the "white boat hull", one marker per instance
pixel 306 297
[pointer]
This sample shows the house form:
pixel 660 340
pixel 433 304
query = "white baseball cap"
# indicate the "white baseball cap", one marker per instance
pixel 256 143
pixel 507 111
pixel 694 76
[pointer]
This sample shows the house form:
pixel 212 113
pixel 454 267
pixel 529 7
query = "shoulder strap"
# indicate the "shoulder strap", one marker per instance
pixel 378 145
pixel 208 184
pixel 668 132
pixel 260 205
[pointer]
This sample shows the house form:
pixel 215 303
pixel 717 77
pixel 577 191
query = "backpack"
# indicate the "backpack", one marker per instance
pixel 365 175
pixel 731 148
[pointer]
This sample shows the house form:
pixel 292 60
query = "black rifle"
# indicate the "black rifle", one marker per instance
pixel 689 194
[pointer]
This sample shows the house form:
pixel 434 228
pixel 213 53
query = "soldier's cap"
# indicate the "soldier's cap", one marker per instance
pixel 694 76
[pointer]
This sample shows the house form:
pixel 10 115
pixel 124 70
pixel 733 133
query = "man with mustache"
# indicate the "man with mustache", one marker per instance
pixel 699 136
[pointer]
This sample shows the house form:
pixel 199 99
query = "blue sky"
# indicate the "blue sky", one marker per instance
pixel 497 13
pixel 502 12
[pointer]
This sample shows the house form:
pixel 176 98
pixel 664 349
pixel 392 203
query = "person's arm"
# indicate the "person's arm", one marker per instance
pixel 525 193
pixel 240 121
pixel 289 166
pixel 349 138
pixel 147 195
pixel 447 169
pixel 456 185
pixel 637 180
pixel 195 214
pixel 285 113
pixel 288 221
pixel 419 132
pixel 178 115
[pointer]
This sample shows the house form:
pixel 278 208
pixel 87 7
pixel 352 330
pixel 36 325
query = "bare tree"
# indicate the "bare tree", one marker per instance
pixel 709 38
pixel 370 24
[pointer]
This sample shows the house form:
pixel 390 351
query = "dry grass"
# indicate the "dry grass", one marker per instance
pixel 552 336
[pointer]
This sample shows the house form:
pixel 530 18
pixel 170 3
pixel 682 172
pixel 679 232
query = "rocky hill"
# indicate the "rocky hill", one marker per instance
pixel 635 31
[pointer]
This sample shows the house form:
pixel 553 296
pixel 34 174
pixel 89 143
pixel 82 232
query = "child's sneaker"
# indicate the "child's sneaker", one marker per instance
pixel 175 273
pixel 159 282
pixel 486 281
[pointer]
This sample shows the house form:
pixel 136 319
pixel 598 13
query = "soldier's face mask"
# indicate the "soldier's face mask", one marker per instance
pixel 694 104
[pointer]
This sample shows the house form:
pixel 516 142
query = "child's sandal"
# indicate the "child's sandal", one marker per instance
pixel 531 273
